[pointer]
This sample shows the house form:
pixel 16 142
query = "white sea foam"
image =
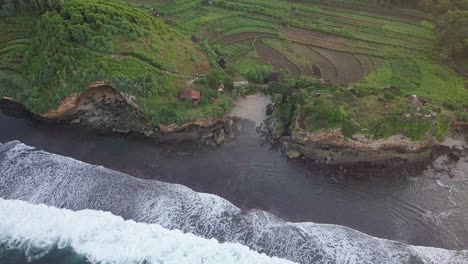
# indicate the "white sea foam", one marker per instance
pixel 105 238
pixel 40 177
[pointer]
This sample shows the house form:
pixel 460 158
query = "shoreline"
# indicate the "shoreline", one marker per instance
pixel 101 108
pixel 331 148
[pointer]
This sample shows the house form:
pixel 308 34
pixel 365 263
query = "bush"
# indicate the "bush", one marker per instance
pixel 215 78
pixel 440 128
pixel 350 127
pixel 255 72
pixel 427 24
pixel 320 115
pixel 462 116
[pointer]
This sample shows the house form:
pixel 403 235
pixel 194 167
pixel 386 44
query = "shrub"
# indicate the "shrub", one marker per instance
pixel 462 116
pixel 254 71
pixel 350 127
pixel 427 24
pixel 440 127
pixel 215 78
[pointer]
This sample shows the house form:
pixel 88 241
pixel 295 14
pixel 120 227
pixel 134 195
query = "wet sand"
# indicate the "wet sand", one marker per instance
pixel 251 107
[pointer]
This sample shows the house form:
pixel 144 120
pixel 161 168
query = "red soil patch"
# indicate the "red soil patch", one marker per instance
pixel 316 38
pixel 244 36
pixel 276 58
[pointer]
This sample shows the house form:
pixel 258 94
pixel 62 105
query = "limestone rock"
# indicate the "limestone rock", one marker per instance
pixel 228 125
pixel 220 136
pixel 269 109
pixel 293 154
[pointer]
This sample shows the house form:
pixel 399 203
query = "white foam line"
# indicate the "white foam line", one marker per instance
pixel 105 238
pixel 41 177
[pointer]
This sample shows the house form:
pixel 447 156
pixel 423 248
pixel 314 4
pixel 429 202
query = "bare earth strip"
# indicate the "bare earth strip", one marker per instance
pixel 316 39
pixel 246 43
pixel 327 69
pixel 276 58
pixel 348 67
pixel 243 36
pixel 366 62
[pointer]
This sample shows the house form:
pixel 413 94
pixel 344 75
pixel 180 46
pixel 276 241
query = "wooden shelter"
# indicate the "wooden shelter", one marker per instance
pixel 221 62
pixel 156 13
pixel 414 100
pixel 240 84
pixel 221 87
pixel 192 95
pixel 196 39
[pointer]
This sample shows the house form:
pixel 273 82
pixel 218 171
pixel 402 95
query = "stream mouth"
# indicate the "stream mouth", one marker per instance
pixel 427 208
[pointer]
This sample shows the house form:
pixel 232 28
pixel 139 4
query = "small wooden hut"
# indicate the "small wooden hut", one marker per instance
pixel 221 62
pixel 196 39
pixel 192 95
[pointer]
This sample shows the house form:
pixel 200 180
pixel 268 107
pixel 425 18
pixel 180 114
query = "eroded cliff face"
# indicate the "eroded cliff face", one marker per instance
pixel 331 147
pixel 100 106
pixel 104 108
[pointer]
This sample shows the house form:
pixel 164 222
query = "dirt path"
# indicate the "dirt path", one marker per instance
pixel 252 107
pixel 276 58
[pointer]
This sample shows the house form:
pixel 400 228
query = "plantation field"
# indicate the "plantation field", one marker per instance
pixel 342 44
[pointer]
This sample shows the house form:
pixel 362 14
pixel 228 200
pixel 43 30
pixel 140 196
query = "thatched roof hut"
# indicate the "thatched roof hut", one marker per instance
pixel 414 100
pixel 189 94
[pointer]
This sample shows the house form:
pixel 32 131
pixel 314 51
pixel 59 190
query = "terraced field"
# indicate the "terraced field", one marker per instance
pixel 243 36
pixel 14 40
pixel 336 43
pixel 276 58
pixel 341 46
pixel 313 38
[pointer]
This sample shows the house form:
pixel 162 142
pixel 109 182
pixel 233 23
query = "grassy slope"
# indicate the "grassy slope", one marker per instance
pixel 45 58
pixel 408 47
pixel 137 55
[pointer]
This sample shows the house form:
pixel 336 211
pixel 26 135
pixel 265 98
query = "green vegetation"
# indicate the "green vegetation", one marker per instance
pixel 254 71
pixel 365 113
pixel 405 47
pixel 47 56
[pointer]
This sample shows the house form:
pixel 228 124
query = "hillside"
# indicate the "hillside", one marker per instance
pixel 46 56
pixel 342 45
pixel 346 65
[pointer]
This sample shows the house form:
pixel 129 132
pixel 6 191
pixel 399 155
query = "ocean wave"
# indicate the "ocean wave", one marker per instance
pixel 40 177
pixel 101 237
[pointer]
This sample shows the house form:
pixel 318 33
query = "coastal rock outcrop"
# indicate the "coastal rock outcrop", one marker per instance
pixel 332 147
pixel 102 107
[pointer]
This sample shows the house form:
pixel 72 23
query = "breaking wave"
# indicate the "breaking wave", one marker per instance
pixel 40 177
pixel 40 231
